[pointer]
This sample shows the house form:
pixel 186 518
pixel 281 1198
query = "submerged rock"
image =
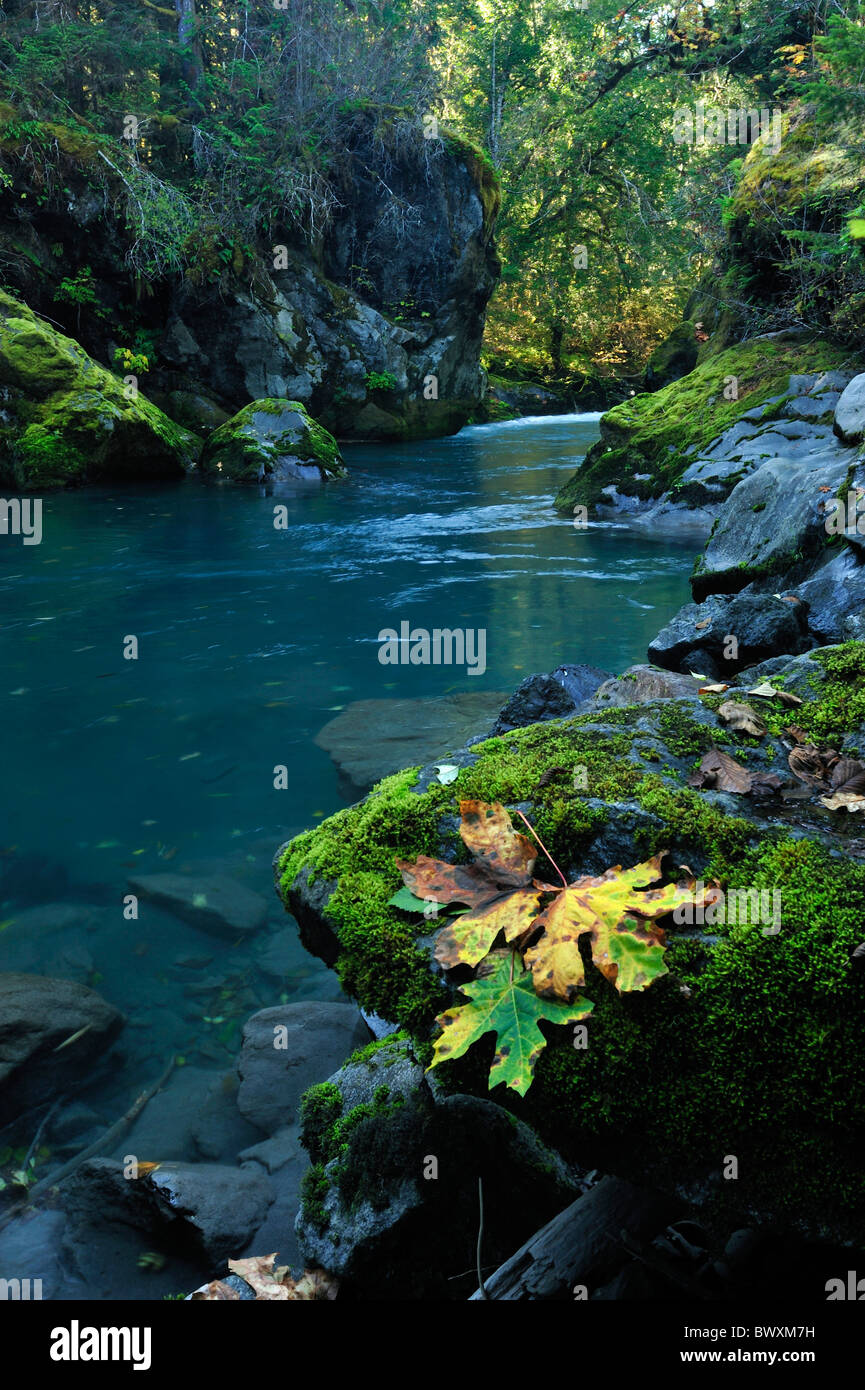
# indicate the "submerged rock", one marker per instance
pixel 217 905
pixel 271 441
pixel 372 738
pixel 40 1054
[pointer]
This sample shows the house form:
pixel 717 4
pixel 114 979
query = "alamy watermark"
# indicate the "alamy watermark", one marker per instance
pixel 711 125
pixel 739 905
pixel 22 516
pixel 446 646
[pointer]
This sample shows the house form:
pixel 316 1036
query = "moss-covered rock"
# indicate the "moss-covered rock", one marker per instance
pixel 65 420
pixel 391 1200
pixel 752 1046
pixel 272 441
pixel 648 442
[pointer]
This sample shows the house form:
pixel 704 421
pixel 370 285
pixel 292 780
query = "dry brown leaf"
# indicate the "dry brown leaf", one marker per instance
pixel 848 775
pixel 704 623
pixel 277 1285
pixel 843 801
pixel 807 763
pixel 214 1291
pixel 797 734
pixel 742 719
pixel 721 772
pixel 487 831
pixel 766 783
pixel 717 689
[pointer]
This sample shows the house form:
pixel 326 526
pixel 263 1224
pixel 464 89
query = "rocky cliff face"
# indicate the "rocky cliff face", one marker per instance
pixel 375 327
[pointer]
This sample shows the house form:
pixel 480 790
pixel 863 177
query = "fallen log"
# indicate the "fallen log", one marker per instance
pixel 583 1244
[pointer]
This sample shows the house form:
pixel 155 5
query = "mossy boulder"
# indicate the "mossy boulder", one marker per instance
pixel 752 1045
pixel 390 1203
pixel 65 420
pixel 647 443
pixel 272 441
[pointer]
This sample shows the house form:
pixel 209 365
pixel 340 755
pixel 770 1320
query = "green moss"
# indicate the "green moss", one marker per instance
pixel 752 1044
pixel 68 420
pixel 320 1108
pixel 314 1188
pixel 241 450
pixel 651 433
pixel 838 704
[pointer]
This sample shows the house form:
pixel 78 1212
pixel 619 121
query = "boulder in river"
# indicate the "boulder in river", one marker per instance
pixel 271 441
pixel 67 420
pixel 721 1055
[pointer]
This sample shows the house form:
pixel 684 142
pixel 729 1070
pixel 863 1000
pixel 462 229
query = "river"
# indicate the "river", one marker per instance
pixel 249 639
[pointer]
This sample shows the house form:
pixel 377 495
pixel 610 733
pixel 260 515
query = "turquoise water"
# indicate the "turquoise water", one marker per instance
pixel 251 638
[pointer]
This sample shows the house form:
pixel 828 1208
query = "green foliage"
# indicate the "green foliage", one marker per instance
pixel 380 381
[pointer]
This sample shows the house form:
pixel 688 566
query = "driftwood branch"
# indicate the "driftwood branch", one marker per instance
pixel 107 1140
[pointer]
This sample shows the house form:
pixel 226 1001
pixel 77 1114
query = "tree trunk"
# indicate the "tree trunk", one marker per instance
pixel 191 65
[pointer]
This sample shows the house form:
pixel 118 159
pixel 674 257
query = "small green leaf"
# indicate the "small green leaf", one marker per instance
pixel 510 1009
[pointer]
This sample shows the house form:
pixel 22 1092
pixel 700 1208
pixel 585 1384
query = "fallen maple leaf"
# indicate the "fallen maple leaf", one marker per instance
pixel 495 888
pixel 510 1008
pixel 742 718
pixel 627 946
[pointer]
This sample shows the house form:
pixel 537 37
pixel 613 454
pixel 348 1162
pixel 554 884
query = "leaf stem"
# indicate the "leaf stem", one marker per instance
pixel 543 847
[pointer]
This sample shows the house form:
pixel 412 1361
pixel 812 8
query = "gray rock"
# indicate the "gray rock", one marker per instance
pixel 275 1066
pixel 389 1216
pixel 834 593
pixel 640 684
pixel 275 1152
pixel 209 1208
pixel 554 696
pixel 771 517
pixel 850 411
pixel 216 904
pixel 763 626
pixel 370 739
pixel 30 1249
pixel 37 1015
